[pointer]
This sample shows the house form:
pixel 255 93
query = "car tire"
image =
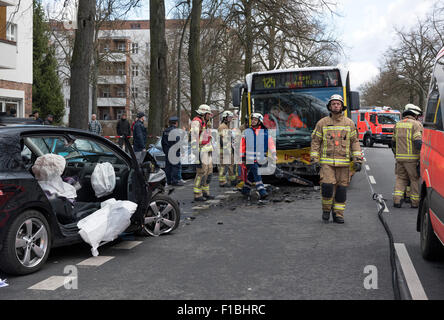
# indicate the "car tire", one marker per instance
pixel 163 216
pixel 431 247
pixel 31 231
pixel 368 141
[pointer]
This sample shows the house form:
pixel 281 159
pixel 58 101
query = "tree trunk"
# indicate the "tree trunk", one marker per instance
pixel 196 81
pixel 80 65
pixel 158 69
pixel 248 37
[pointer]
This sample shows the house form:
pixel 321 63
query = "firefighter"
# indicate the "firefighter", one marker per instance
pixel 334 143
pixel 406 146
pixel 202 147
pixel 254 151
pixel 225 142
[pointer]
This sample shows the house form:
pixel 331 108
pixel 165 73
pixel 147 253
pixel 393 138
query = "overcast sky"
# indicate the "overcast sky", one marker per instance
pixel 367 30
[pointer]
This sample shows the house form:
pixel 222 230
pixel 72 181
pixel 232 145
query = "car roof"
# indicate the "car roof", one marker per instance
pixel 43 129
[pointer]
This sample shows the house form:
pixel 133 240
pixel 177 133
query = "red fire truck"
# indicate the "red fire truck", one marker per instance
pixel 375 124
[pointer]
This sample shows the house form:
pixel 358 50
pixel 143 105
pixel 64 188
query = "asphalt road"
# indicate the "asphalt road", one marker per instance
pixel 402 222
pixel 242 250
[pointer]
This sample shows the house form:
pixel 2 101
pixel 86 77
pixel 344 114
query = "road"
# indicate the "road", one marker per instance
pixel 243 250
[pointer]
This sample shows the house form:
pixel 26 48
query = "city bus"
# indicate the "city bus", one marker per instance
pixel 292 101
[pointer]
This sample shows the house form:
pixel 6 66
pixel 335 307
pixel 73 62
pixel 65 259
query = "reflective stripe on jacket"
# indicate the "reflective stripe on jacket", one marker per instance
pixel 334 141
pixel 406 131
pixel 266 146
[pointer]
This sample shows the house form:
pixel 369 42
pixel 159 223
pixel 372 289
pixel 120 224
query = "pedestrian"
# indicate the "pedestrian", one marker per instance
pixel 226 144
pixel 12 112
pixel 132 125
pixel 94 125
pixel 123 130
pixel 406 146
pixel 334 143
pixel 140 137
pixel 171 170
pixel 49 120
pixel 253 150
pixel 36 116
pixel 202 147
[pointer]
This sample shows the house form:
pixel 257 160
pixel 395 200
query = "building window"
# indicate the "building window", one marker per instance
pixel 135 26
pixel 135 48
pixel 121 92
pixel 135 70
pixel 106 47
pixel 121 70
pixel 135 92
pixel 106 92
pixel 121 46
pixel 146 92
pixel 67 103
pixel 11 32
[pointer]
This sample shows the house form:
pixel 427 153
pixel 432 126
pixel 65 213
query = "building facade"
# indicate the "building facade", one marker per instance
pixel 16 56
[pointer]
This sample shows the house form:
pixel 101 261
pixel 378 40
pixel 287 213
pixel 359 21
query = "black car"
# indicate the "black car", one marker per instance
pixel 31 223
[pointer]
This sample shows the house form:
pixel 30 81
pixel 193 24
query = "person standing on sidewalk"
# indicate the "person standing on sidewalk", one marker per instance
pixel 225 136
pixel 202 147
pixel 334 142
pixel 406 145
pixel 140 137
pixel 94 125
pixel 123 130
pixel 171 170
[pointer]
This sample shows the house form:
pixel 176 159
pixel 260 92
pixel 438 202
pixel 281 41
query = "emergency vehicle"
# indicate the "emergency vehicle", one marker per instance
pixel 375 124
pixel 430 222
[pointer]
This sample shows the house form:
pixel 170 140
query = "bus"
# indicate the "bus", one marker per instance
pixel 292 102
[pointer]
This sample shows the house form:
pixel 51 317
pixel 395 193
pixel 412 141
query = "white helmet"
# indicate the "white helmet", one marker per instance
pixel 226 114
pixel 413 109
pixel 258 116
pixel 203 109
pixel 337 97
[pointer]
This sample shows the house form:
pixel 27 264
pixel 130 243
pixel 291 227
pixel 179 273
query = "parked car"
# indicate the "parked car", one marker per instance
pixel 30 222
pixel 186 159
pixel 430 221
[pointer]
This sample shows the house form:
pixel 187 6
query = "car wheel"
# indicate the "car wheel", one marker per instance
pixel 431 247
pixel 368 141
pixel 163 216
pixel 26 244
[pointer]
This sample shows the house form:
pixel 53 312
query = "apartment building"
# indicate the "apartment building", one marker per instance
pixel 16 56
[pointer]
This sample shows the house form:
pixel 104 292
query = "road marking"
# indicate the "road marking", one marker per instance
pixel 367 167
pixel 127 245
pixel 95 261
pixel 213 201
pixel 52 283
pixel 230 192
pixel 415 287
pixel 372 179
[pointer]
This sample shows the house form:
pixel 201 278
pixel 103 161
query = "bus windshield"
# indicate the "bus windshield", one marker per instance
pixel 389 118
pixel 293 113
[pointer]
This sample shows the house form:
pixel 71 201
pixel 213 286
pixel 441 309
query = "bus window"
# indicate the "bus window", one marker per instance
pixel 432 104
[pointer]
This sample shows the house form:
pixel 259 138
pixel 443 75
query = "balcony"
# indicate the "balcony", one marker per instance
pixel 8 54
pixel 111 102
pixel 115 79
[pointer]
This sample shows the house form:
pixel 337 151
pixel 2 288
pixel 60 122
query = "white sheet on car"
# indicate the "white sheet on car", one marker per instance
pixel 103 179
pixel 48 170
pixel 107 223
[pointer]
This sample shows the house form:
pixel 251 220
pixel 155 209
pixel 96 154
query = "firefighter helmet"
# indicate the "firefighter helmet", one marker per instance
pixel 203 109
pixel 226 114
pixel 258 116
pixel 336 97
pixel 413 109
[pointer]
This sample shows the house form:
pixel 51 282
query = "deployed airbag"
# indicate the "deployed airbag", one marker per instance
pixel 103 179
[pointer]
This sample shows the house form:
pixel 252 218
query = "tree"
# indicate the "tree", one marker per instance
pixel 158 68
pixel 46 87
pixel 81 64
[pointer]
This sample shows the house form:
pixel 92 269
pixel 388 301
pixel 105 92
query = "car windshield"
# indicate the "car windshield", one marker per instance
pixel 388 118
pixel 293 114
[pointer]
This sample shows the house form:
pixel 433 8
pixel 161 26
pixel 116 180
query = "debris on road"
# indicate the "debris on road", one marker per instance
pixel 3 283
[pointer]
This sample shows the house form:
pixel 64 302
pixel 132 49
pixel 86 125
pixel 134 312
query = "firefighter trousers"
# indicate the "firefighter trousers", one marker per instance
pixel 334 182
pixel 225 169
pixel 406 172
pixel 203 173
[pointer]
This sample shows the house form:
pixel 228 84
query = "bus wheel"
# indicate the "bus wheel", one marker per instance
pixel 368 141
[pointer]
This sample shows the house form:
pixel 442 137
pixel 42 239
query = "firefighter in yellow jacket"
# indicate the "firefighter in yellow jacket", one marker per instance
pixel 406 145
pixel 226 144
pixel 334 143
pixel 202 147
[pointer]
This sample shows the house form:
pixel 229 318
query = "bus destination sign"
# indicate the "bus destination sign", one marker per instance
pixel 297 80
